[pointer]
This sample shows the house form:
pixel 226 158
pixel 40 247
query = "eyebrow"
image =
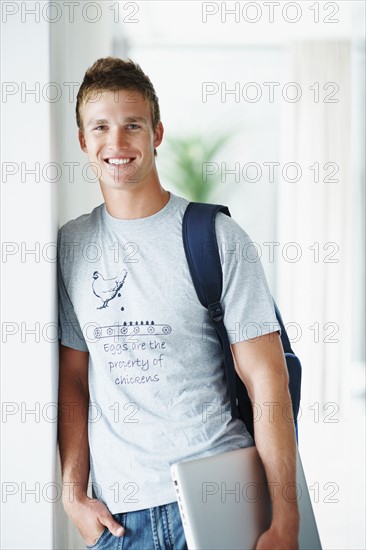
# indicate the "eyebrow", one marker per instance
pixel 99 121
pixel 135 119
pixel 95 122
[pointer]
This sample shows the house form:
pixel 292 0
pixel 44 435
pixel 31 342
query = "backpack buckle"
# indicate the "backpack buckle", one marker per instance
pixel 216 312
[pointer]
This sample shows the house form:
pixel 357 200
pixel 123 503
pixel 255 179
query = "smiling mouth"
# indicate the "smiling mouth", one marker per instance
pixel 118 162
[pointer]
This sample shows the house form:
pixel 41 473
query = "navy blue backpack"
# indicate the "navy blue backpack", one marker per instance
pixel 199 235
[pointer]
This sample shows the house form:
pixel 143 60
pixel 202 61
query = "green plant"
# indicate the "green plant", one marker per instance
pixel 186 164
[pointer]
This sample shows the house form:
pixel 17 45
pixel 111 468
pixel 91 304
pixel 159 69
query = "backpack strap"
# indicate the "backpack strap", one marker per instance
pixel 286 344
pixel 202 252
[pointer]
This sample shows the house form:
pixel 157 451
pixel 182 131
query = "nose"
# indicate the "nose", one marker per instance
pixel 118 139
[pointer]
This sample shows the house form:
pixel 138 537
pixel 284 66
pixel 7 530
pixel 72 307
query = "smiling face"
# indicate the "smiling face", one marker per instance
pixel 118 136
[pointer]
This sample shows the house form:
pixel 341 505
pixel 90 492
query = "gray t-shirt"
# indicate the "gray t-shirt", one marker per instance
pixel 156 376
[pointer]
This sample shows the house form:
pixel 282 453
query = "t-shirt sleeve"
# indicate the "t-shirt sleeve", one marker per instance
pixel 246 299
pixel 70 333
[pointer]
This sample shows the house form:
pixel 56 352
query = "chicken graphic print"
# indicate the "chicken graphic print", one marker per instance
pixel 107 289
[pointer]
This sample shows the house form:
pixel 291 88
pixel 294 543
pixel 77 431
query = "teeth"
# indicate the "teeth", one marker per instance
pixel 119 161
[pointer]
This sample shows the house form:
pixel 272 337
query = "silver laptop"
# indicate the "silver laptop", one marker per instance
pixel 224 501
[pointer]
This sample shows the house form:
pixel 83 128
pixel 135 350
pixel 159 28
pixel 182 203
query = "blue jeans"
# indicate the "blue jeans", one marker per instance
pixel 158 528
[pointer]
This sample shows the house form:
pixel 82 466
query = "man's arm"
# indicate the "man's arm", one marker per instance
pixel 261 365
pixel 89 515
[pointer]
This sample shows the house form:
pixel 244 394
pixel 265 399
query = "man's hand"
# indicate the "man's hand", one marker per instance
pixel 276 540
pixel 91 517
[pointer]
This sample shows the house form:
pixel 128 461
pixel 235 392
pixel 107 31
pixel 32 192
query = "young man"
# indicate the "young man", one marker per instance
pixel 133 354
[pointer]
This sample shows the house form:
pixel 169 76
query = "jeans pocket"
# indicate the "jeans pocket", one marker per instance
pixel 99 540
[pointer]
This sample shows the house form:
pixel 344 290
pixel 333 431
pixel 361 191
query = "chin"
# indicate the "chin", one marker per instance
pixel 119 185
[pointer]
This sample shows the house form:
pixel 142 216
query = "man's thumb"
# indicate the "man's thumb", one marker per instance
pixel 115 528
pixel 107 519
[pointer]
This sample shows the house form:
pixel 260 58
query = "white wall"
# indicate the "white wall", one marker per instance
pixel 28 297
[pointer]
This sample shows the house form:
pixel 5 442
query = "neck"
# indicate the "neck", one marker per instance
pixel 136 202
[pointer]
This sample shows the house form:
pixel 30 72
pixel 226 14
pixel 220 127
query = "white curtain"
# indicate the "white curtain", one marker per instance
pixel 314 213
pixel 315 293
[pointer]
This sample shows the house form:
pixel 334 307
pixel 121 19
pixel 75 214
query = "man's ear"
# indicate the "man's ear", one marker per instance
pixel 82 141
pixel 158 134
